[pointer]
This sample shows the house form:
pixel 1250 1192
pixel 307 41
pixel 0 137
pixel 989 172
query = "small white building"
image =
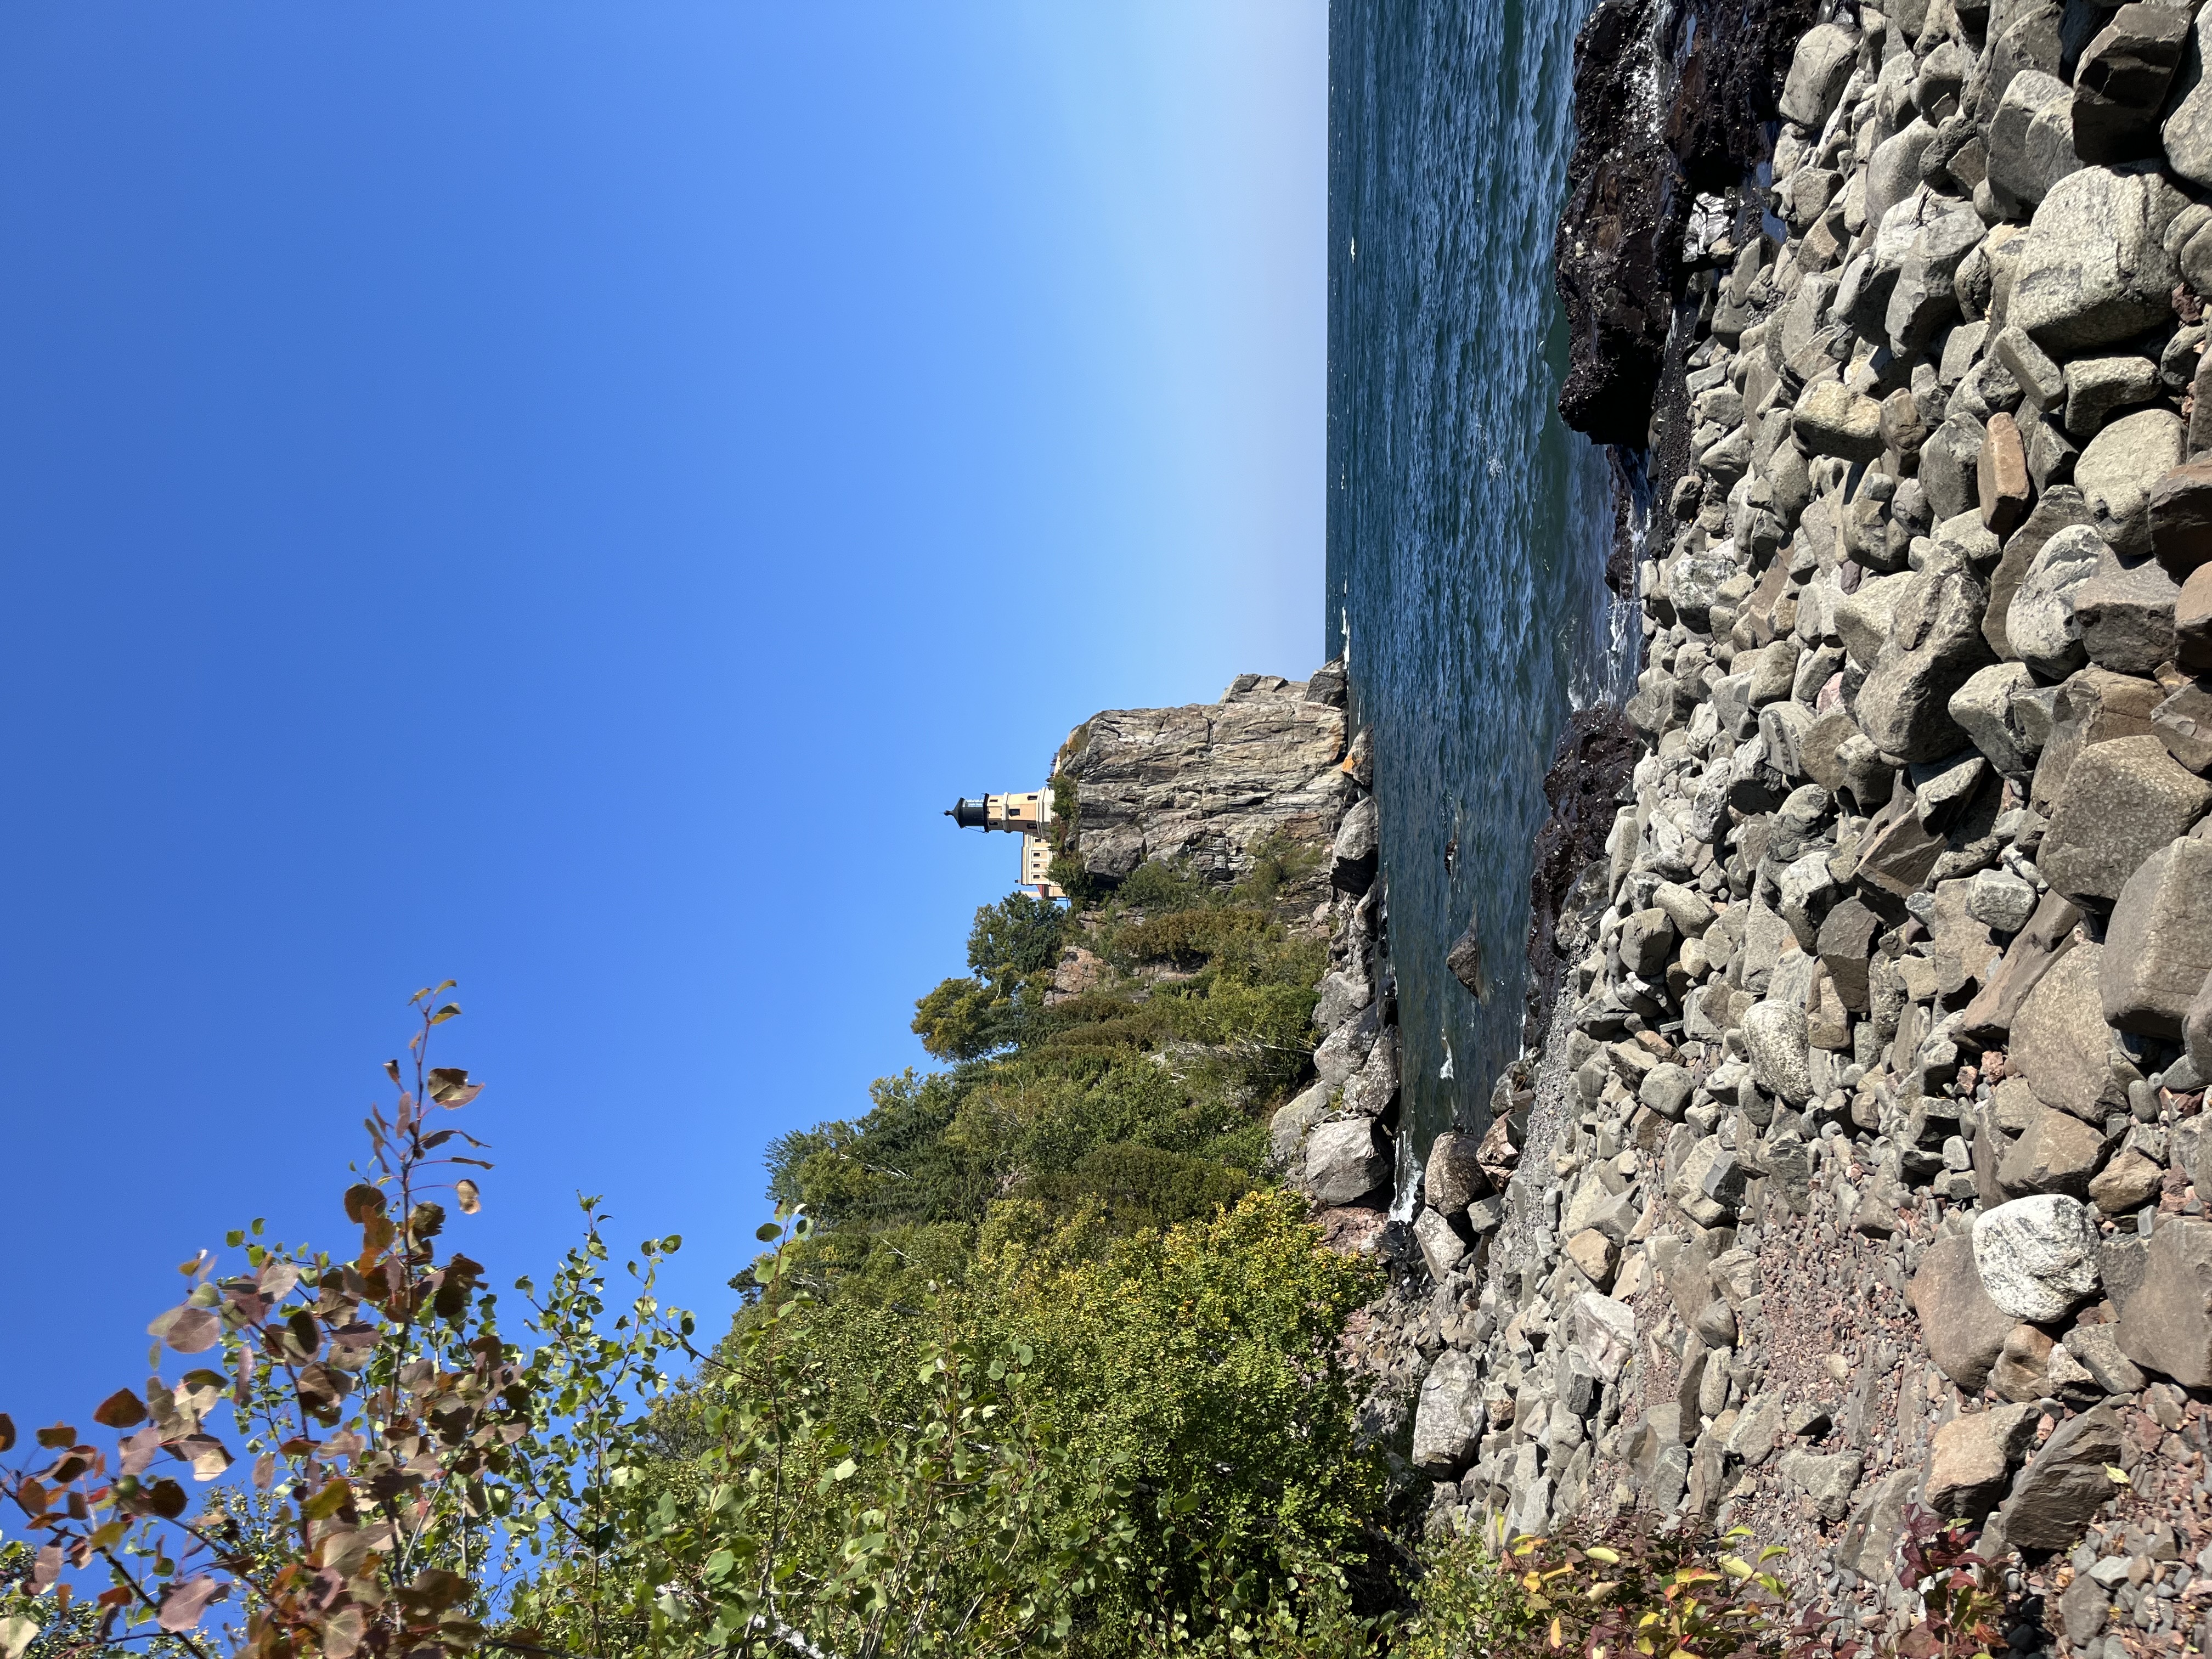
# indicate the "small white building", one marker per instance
pixel 1026 815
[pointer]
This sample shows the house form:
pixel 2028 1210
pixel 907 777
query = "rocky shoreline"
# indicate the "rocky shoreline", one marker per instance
pixel 1859 1168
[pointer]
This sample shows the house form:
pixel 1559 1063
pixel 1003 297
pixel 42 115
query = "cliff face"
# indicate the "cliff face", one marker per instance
pixel 1213 786
pixel 1866 1164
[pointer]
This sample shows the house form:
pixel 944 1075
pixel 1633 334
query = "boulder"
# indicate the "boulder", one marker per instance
pixel 1925 296
pixel 1845 947
pixel 1831 419
pixel 2023 1370
pixel 2059 507
pixel 2125 613
pixel 1973 1460
pixel 2040 626
pixel 1601 1330
pixel 1464 960
pixel 2187 132
pixel 2192 621
pixel 2183 724
pixel 2095 386
pixel 1449 1416
pixel 2057 1153
pixel 2127 1183
pixel 2167 1326
pixel 1358 848
pixel 1989 1018
pixel 2121 81
pixel 2122 801
pixel 2097 1349
pixel 2094 705
pixel 2093 269
pixel 1868 1545
pixel 2121 468
pixel 2061 1044
pixel 1935 646
pixel 1964 1329
pixel 2158 944
pixel 1828 1479
pixel 1442 1247
pixel 2037 1256
pixel 2001 475
pixel 1818 74
pixel 2181 517
pixel 1982 709
pixel 2031 141
pixel 1949 463
pixel 2000 901
pixel 1777 1047
pixel 1374 1088
pixel 1453 1177
pixel 1344 1160
pixel 2064 1484
pixel 1647 944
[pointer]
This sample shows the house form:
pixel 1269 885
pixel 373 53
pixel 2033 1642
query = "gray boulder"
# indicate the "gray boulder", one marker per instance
pixel 2059 507
pixel 2093 269
pixel 1982 709
pixel 1935 646
pixel 1448 1418
pixel 2037 1256
pixel 1777 1045
pixel 1818 74
pixel 1964 1329
pixel 1344 1160
pixel 1442 1247
pixel 1357 850
pixel 1828 1479
pixel 2167 1326
pixel 1831 419
pixel 2158 944
pixel 2121 468
pixel 2126 612
pixel 2060 1043
pixel 2095 386
pixel 2188 131
pixel 1453 1177
pixel 2040 626
pixel 2122 800
pixel 2122 80
pixel 2064 1483
pixel 2030 144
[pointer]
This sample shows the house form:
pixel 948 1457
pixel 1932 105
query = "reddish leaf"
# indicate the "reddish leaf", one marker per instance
pixel 264 1472
pixel 120 1410
pixel 166 1500
pixel 32 1496
pixel 138 1450
pixel 46 1567
pixel 7 1432
pixel 182 1604
pixel 362 1201
pixel 58 1437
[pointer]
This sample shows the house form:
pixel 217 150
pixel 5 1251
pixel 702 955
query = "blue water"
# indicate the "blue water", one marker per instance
pixel 1467 528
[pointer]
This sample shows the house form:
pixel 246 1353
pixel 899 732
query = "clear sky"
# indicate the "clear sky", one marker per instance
pixel 563 496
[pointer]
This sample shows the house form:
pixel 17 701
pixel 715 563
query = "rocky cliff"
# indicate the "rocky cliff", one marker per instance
pixel 1211 788
pixel 1864 1163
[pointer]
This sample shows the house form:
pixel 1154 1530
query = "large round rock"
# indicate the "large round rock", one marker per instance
pixel 2037 1256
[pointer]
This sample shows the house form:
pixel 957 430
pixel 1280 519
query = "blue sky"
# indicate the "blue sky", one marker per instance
pixel 563 496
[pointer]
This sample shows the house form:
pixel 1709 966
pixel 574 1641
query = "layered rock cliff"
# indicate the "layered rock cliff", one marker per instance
pixel 1864 1164
pixel 1213 788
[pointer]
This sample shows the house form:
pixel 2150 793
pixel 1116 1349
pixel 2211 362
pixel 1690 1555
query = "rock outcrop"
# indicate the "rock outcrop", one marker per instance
pixel 1213 788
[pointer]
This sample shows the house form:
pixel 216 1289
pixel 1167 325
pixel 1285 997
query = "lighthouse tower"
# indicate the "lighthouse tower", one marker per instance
pixel 1026 815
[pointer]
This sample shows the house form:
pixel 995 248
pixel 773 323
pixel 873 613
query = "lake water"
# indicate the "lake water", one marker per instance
pixel 1467 527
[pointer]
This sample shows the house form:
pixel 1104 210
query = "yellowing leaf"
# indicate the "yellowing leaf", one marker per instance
pixel 2118 1477
pixel 15 1635
pixel 1599 1553
pixel 1735 1566
pixel 1558 1637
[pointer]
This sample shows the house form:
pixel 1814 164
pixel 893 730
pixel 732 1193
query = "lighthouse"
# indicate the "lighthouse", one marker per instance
pixel 1026 815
